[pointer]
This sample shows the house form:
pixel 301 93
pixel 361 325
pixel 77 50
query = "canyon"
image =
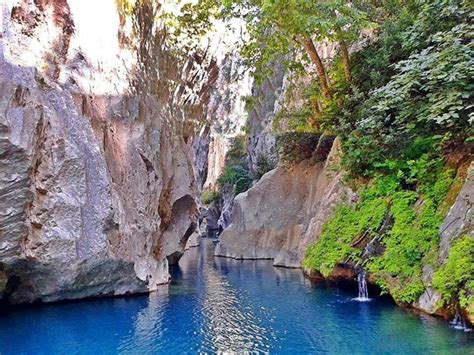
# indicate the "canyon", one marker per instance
pixel 108 139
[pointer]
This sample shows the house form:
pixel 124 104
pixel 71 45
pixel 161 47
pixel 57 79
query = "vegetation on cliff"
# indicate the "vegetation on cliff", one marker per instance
pixel 236 174
pixel 407 109
pixel 401 225
pixel 399 94
pixel 455 278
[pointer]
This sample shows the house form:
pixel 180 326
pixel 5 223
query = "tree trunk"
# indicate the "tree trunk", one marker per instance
pixel 345 61
pixel 310 49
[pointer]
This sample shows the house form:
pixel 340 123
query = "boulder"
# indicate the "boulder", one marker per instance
pixel 284 212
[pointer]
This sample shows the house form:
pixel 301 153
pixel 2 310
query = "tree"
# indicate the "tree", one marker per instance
pixel 288 29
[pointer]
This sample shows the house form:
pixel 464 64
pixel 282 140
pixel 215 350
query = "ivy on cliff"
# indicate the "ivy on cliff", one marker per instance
pixel 455 278
pixel 410 196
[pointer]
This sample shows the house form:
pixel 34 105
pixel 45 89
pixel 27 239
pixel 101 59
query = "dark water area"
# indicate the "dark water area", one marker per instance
pixel 221 305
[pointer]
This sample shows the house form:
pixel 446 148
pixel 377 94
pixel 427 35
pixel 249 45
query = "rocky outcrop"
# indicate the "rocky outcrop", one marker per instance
pixel 283 212
pixel 97 191
pixel 460 218
pixel 458 222
pixel 261 142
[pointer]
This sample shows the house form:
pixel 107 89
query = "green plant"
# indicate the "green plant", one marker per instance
pixel 411 193
pixel 236 176
pixel 455 278
pixel 210 196
pixel 348 223
pixel 413 83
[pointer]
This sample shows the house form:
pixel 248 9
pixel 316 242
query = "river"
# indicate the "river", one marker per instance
pixel 223 305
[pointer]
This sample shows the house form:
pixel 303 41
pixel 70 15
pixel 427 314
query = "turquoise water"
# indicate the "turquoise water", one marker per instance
pixel 218 305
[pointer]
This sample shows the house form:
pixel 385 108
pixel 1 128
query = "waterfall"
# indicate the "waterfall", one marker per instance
pixel 459 323
pixel 363 290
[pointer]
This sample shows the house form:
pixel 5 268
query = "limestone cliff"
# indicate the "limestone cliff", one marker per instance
pixel 284 211
pixel 226 116
pixel 97 191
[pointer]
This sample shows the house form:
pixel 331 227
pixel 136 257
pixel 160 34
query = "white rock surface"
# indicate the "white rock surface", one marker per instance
pixel 97 191
pixel 283 212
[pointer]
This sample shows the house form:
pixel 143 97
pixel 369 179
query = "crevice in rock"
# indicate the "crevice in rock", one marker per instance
pixel 148 163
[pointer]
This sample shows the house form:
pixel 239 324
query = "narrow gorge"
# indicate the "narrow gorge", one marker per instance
pixel 200 176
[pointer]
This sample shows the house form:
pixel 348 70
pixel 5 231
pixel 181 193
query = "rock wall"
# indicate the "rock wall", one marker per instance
pixel 458 222
pixel 97 190
pixel 283 212
pixel 226 116
pixel 261 142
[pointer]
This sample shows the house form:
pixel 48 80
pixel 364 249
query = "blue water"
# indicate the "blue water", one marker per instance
pixel 218 305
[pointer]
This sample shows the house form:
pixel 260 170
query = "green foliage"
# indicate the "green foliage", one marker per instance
pixel 455 278
pixel 276 27
pixel 209 196
pixel 293 147
pixel 414 83
pixel 293 121
pixel 431 90
pixel 410 192
pixel 236 174
pixel 413 234
pixel 348 223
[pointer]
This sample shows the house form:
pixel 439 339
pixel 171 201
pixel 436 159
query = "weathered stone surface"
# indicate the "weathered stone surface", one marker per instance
pixel 97 191
pixel 458 222
pixel 261 142
pixel 282 213
pixel 429 300
pixel 194 240
pixel 460 218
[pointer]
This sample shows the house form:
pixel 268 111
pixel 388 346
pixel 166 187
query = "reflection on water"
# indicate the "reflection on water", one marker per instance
pixel 148 325
pixel 217 305
pixel 226 323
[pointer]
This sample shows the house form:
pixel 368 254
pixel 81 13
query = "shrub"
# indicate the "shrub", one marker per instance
pixel 413 83
pixel 293 147
pixel 455 278
pixel 209 196
pixel 411 192
pixel 236 176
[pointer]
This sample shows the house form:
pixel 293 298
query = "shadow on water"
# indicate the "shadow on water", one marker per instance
pixel 222 305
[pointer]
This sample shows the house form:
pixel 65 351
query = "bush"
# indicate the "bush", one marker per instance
pixel 411 192
pixel 455 278
pixel 236 176
pixel 414 82
pixel 347 224
pixel 209 196
pixel 294 147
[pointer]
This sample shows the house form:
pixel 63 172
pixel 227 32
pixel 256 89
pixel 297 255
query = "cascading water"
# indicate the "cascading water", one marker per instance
pixel 363 290
pixel 459 323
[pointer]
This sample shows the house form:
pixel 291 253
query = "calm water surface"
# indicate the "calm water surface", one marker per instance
pixel 219 305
